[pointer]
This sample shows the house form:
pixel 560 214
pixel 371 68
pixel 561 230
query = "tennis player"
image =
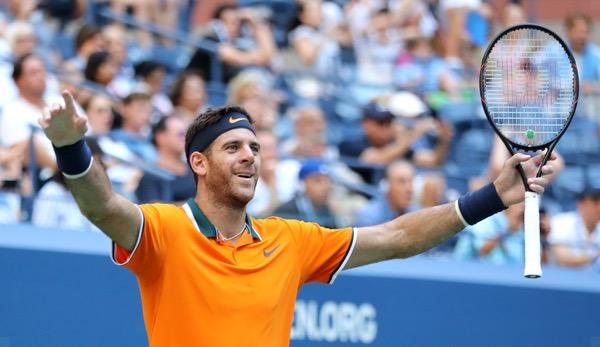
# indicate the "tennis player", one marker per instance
pixel 210 275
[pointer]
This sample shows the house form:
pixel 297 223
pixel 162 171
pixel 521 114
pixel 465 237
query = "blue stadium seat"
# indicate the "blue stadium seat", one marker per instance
pixel 283 13
pixel 463 111
pixel 216 93
pixel 592 176
pixel 174 57
pixel 567 185
pixel 472 146
pixel 580 143
pixel 458 175
pixel 64 43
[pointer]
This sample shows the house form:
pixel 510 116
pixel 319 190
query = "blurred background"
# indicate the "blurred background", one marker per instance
pixel 365 109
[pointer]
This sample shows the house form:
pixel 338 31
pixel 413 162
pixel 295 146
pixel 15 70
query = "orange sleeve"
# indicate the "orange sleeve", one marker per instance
pixel 146 258
pixel 322 252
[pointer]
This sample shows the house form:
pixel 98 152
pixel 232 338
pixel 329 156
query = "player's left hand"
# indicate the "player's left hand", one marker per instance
pixel 509 184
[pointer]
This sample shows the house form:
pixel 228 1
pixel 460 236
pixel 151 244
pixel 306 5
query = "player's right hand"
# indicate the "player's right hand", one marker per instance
pixel 61 124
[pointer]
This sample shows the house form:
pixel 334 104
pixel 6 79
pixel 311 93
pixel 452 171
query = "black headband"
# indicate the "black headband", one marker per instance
pixel 206 136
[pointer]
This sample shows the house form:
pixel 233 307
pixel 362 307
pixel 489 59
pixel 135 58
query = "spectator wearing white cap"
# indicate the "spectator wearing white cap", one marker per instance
pixel 386 140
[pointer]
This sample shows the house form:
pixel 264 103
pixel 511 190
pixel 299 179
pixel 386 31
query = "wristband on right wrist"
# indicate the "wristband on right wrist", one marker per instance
pixel 74 160
pixel 476 206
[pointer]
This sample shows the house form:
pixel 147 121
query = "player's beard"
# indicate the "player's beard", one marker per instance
pixel 227 190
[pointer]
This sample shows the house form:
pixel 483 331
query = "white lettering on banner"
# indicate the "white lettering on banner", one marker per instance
pixel 334 322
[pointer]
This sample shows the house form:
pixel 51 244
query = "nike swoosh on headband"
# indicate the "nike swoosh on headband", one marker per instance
pixel 235 120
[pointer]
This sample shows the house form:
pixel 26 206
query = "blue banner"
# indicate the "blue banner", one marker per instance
pixel 60 289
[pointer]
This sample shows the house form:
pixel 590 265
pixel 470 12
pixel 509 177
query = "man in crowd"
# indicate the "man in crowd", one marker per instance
pixel 386 140
pixel 19 116
pixel 397 199
pixel 579 32
pixel 575 236
pixel 311 203
pixel 134 132
pixel 168 136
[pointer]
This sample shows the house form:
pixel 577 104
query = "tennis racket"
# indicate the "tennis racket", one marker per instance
pixel 529 90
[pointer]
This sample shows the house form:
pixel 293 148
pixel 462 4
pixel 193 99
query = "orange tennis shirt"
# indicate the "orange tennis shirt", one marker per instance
pixel 197 291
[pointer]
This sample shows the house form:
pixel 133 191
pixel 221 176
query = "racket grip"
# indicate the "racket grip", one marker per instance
pixel 533 266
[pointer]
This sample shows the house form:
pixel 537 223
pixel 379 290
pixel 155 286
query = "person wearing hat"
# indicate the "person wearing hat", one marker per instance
pixel 311 203
pixel 386 140
pixel 575 236
pixel 209 274
pixel 379 142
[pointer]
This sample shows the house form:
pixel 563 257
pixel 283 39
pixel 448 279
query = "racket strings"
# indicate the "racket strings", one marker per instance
pixel 529 86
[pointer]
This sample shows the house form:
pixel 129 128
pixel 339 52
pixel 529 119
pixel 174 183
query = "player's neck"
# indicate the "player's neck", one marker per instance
pixel 226 219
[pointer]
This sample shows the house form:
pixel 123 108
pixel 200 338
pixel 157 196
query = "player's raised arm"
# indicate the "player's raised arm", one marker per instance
pixel 116 216
pixel 416 232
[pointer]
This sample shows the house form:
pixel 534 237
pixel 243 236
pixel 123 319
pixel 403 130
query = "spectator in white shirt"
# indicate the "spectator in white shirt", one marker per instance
pixel 55 207
pixel 19 117
pixel 317 48
pixel 575 236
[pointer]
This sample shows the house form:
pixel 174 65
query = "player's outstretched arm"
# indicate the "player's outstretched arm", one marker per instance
pixel 117 217
pixel 416 232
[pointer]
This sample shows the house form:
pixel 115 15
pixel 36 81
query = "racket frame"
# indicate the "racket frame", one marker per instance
pixel 532 242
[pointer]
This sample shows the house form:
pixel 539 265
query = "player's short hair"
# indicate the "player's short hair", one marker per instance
pixel 208 118
pixel 575 16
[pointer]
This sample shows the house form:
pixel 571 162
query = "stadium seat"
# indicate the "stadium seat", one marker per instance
pixel 463 111
pixel 592 176
pixel 580 144
pixel 567 185
pixel 280 14
pixel 472 146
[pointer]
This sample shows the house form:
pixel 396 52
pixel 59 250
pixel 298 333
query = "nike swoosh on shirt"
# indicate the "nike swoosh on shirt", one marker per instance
pixel 235 120
pixel 268 253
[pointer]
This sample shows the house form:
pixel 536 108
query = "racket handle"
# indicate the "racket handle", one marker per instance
pixel 533 266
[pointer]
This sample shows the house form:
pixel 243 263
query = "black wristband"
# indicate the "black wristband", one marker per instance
pixel 480 204
pixel 73 160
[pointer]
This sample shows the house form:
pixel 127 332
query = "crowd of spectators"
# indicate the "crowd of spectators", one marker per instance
pixel 365 110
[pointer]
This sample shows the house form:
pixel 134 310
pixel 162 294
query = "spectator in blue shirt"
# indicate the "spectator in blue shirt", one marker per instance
pixel 421 71
pixel 312 203
pixel 497 239
pixel 168 135
pixel 134 131
pixel 578 27
pixel 397 199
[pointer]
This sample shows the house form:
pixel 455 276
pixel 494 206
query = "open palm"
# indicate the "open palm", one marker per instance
pixel 61 124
